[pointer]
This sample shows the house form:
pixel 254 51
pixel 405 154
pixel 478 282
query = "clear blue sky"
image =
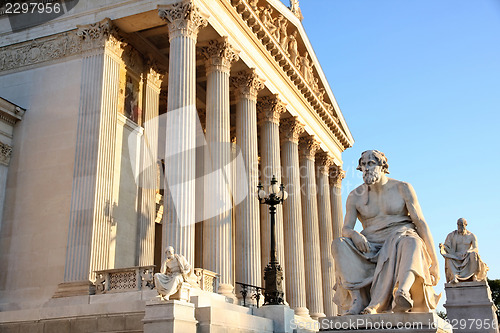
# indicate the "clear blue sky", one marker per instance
pixel 420 81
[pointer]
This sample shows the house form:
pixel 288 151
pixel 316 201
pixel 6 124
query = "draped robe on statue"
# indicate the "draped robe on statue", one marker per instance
pixel 173 272
pixel 462 267
pixel 395 249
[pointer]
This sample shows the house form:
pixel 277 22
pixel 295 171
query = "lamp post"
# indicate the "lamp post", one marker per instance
pixel 273 273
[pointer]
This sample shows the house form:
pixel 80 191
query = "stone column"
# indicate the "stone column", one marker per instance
pixel 336 176
pixel 292 217
pixel 217 234
pixel 248 259
pixel 312 252
pixel 149 166
pixel 270 109
pixel 184 21
pixel 323 163
pixel 90 211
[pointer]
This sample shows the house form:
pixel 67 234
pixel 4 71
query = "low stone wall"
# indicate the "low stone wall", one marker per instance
pixel 126 322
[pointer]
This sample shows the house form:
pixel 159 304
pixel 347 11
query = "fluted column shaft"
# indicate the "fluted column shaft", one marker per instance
pixel 184 21
pixel 248 255
pixel 312 252
pixel 336 200
pixel 149 156
pixel 292 218
pixel 217 234
pixel 270 109
pixel 323 163
pixel 90 212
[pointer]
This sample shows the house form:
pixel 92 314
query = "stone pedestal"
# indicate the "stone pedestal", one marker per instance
pixel 169 317
pixel 469 307
pixel 183 294
pixel 386 323
pixel 281 315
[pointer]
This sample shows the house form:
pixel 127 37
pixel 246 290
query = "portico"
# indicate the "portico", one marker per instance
pixel 161 83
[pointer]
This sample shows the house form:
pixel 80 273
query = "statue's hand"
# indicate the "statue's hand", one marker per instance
pixel 434 271
pixel 360 242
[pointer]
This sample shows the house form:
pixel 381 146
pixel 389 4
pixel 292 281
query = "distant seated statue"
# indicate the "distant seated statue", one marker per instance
pixel 391 265
pixel 462 261
pixel 174 271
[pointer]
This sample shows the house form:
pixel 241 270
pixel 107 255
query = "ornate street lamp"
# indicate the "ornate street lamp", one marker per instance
pixel 273 273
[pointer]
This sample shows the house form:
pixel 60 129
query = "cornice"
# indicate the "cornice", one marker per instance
pixel 310 90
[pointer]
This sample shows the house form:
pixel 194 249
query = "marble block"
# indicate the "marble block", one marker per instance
pixel 281 315
pixel 428 322
pixel 169 317
pixel 469 307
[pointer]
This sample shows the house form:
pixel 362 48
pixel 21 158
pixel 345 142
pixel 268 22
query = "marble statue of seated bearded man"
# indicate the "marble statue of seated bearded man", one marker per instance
pixel 391 265
pixel 462 260
pixel 174 271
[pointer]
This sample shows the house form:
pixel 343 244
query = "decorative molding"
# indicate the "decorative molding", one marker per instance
pixel 219 55
pixel 270 108
pixel 268 30
pixel 291 129
pixel 97 36
pixel 154 76
pixel 324 161
pixel 132 59
pixel 308 146
pixel 184 19
pixel 5 153
pixel 247 83
pixel 336 176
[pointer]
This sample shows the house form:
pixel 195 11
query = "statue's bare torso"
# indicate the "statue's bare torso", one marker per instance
pixel 388 201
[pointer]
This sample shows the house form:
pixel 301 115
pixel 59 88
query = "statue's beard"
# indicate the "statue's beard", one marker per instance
pixel 371 177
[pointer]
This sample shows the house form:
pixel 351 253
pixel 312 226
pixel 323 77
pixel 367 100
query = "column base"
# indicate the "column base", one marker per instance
pixel 301 311
pixel 227 290
pixel 317 316
pixel 169 317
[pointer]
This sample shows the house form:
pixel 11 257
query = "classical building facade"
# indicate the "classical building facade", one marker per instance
pixel 150 123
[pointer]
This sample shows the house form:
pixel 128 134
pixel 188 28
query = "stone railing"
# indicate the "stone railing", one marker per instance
pixel 209 281
pixel 121 280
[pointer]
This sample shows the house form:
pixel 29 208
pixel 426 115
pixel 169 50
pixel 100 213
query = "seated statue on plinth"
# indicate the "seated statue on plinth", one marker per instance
pixel 462 261
pixel 391 265
pixel 175 270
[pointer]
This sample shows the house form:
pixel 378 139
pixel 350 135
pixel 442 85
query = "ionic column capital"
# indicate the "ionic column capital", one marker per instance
pixel 324 162
pixel 184 18
pixel 248 84
pixel 308 146
pixel 219 55
pixel 336 177
pixel 270 108
pixel 291 129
